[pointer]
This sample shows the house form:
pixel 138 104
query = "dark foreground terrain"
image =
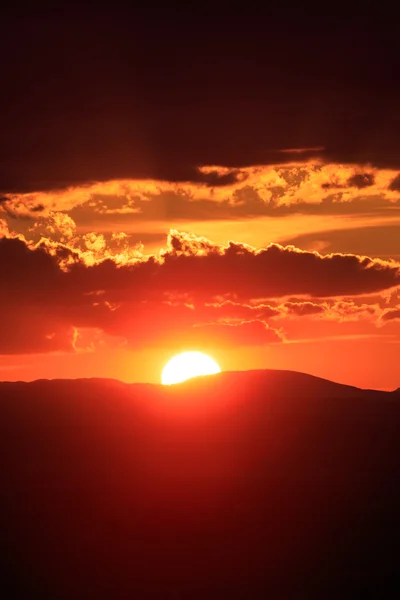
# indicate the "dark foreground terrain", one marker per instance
pixel 264 484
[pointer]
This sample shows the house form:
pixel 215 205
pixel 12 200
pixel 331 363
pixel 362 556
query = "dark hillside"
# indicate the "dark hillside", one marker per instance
pixel 241 485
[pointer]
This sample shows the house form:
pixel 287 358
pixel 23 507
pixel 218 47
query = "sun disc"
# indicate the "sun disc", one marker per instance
pixel 187 365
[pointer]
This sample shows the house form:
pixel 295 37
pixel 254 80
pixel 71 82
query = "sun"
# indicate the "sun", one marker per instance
pixel 187 365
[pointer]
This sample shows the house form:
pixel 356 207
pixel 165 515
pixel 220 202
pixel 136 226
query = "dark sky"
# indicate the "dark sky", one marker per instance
pixel 104 94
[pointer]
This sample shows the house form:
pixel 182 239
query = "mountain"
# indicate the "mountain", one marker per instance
pixel 253 484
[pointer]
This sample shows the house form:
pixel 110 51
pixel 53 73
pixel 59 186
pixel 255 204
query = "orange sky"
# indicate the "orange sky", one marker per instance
pixel 268 269
pixel 174 182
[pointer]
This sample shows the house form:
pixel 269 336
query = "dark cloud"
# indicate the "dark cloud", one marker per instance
pixel 239 311
pixel 115 97
pixel 48 292
pixel 37 208
pixel 395 184
pixel 361 180
pixel 346 310
pixel 358 180
pixel 216 179
pixel 197 265
pixel 391 314
pixel 301 309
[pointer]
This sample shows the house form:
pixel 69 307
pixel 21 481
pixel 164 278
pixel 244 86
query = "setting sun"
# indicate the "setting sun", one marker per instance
pixel 187 365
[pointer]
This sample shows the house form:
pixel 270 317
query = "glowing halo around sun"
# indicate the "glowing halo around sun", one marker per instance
pixel 187 365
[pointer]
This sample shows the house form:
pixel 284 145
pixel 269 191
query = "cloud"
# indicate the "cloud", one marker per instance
pixel 395 184
pixel 246 333
pixel 302 150
pixel 196 266
pixel 4 231
pixel 361 180
pixel 59 226
pixel 193 292
pixel 300 309
pixel 327 309
pixel 238 311
pixel 218 176
pixel 340 311
pixel 391 314
pixel 217 193
pixel 199 267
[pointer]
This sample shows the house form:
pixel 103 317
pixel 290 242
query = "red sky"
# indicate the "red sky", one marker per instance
pixel 186 187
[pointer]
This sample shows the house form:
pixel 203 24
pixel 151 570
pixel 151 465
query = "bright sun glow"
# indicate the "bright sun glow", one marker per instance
pixel 187 365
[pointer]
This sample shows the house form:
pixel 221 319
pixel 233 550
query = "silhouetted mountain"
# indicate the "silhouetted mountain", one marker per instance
pixel 257 484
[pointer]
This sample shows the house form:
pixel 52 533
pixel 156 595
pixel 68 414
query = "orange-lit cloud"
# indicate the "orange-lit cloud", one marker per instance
pixel 221 192
pixel 307 203
pixel 195 292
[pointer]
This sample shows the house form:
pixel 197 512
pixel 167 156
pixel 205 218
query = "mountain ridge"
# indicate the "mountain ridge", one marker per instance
pixel 290 375
pixel 261 484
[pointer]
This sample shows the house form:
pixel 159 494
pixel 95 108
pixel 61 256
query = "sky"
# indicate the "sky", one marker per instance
pixel 222 182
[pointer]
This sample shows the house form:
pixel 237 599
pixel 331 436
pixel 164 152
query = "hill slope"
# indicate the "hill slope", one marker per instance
pixel 241 485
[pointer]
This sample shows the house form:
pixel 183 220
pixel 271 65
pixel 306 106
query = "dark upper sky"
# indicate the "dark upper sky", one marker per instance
pixel 108 94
